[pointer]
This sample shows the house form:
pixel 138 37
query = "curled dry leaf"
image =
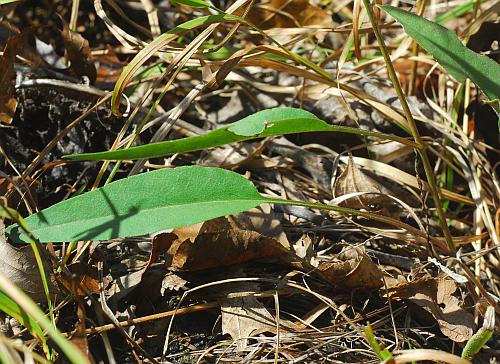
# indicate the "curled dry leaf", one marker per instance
pixel 173 282
pixel 19 265
pixel 79 53
pixel 352 268
pixel 435 295
pixel 352 180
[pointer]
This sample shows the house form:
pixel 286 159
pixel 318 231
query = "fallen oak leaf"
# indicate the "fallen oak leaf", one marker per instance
pixel 435 295
pixel 244 316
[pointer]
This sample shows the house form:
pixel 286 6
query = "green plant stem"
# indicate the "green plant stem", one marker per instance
pixel 414 52
pixel 420 145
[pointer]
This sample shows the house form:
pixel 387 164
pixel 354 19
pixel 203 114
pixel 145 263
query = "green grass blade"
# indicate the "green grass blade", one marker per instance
pixel 31 309
pixel 382 353
pixel 193 3
pixel 11 308
pixel 143 204
pixel 266 123
pixel 457 11
pixel 443 44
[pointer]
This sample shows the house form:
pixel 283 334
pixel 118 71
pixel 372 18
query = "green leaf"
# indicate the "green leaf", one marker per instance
pixel 481 337
pixel 142 204
pixel 256 124
pixel 448 50
pixel 193 3
pixel 160 200
pixel 266 123
pixel 457 11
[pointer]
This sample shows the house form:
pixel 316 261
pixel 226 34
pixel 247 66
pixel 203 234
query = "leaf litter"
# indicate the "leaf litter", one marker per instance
pixel 284 283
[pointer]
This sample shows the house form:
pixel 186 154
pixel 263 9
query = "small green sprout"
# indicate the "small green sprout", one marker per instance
pixel 482 336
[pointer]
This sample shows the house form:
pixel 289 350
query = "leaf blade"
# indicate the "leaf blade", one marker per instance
pixel 266 123
pixel 448 50
pixel 145 203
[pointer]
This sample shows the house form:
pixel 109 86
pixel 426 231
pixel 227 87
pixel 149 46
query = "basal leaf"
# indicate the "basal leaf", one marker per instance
pixel 266 123
pixel 142 204
pixel 448 50
pixel 159 200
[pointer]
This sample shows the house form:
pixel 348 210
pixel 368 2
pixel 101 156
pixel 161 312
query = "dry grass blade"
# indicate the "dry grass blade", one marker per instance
pixel 408 356
pixel 404 178
pixel 127 40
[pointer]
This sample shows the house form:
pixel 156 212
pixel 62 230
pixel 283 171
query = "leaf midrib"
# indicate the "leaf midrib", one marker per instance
pixel 55 226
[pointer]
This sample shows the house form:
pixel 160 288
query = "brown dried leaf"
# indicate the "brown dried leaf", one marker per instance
pixel 243 316
pixel 79 339
pixel 110 67
pixel 8 102
pixel 161 244
pixel 435 295
pixel 84 280
pixel 231 156
pixel 354 180
pixel 214 74
pixel 254 234
pixel 79 53
pixel 352 268
pixel 289 14
pixel 19 264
